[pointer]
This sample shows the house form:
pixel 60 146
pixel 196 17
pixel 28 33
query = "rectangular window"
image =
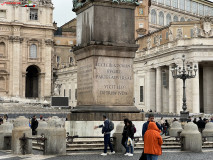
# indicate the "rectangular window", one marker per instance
pixel 161 1
pixel 33 14
pixel 2 13
pixel 160 38
pixel 70 94
pixel 71 59
pixel 188 5
pixel 140 25
pixel 201 10
pixel 164 79
pixel 168 2
pixel 140 11
pixel 75 94
pixel 191 31
pixel 141 93
pixel 167 35
pixel 71 42
pixel 206 9
pixel 182 4
pixel 194 7
pixel 175 3
pixel 58 59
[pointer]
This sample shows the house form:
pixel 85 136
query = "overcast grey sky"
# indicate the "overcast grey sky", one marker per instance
pixel 63 11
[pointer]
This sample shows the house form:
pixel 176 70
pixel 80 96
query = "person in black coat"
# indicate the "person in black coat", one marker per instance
pixel 34 125
pixel 130 134
pixel 201 125
pixel 124 134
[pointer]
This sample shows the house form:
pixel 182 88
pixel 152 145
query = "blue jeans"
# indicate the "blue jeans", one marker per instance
pixel 152 157
pixel 127 147
pixel 107 142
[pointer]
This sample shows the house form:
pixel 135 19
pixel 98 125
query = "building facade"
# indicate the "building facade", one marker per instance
pixel 155 87
pixel 162 12
pixel 26 49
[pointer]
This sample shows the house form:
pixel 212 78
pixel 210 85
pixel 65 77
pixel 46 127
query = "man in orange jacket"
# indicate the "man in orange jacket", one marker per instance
pixel 152 142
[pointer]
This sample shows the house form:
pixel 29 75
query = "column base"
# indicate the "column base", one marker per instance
pixel 184 116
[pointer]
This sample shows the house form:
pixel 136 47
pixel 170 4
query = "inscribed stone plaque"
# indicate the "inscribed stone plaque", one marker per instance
pixel 105 81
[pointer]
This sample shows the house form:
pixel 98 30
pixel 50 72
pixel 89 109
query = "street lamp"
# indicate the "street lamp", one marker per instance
pixel 186 72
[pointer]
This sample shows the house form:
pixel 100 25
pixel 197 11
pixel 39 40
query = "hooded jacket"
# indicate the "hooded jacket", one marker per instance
pixel 152 140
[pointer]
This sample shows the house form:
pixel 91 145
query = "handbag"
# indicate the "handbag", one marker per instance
pixel 129 141
pixel 143 156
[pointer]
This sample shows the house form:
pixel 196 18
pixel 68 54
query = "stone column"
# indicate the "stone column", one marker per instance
pixel 16 67
pixel 23 84
pixel 195 93
pixel 151 90
pixel 48 69
pixel 158 90
pixel 171 91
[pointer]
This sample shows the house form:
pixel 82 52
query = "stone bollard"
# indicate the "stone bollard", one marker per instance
pixel 175 128
pixel 191 138
pixel 208 131
pixel 6 136
pixel 21 129
pixel 118 147
pixel 56 137
pixel 41 126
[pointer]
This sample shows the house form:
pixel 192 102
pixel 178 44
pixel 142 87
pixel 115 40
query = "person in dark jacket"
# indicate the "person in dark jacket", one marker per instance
pixel 195 121
pixel 34 125
pixel 106 132
pixel 129 141
pixel 201 125
pixel 145 125
pixel 124 134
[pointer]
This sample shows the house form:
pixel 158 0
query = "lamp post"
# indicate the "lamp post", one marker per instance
pixel 184 73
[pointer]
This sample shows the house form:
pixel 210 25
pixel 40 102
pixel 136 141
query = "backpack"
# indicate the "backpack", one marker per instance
pixel 111 125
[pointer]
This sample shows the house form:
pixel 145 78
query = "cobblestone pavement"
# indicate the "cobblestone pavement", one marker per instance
pixel 167 155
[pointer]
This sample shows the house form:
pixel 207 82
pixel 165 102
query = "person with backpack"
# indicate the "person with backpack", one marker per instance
pixel 124 134
pixel 107 127
pixel 130 138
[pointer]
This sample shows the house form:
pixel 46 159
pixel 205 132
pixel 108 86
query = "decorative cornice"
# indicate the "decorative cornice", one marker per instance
pixel 16 39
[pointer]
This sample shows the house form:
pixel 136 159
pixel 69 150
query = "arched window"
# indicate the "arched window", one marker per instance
pixel 2 83
pixel 175 3
pixel 168 19
pixel 182 19
pixel 175 19
pixel 189 20
pixel 153 17
pixel 2 48
pixel 33 51
pixel 161 18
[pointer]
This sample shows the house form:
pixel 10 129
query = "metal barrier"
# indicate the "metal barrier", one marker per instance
pixel 24 139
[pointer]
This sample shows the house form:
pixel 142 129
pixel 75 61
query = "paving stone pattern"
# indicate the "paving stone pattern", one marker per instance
pixel 167 155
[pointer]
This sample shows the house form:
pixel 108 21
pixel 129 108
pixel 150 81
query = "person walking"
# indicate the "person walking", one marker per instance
pixel 106 131
pixel 130 138
pixel 152 142
pixel 34 125
pixel 124 134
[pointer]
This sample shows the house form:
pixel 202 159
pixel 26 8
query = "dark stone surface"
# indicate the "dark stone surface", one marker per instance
pixel 106 22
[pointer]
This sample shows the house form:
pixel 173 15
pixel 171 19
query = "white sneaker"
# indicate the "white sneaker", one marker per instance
pixel 130 155
pixel 112 152
pixel 126 154
pixel 103 154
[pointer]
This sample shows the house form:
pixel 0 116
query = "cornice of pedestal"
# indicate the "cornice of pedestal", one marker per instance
pixel 79 7
pixel 105 49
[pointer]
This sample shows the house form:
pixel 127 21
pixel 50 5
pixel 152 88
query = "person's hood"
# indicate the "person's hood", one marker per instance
pixel 153 126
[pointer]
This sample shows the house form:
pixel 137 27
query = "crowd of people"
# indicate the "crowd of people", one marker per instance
pixel 152 132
